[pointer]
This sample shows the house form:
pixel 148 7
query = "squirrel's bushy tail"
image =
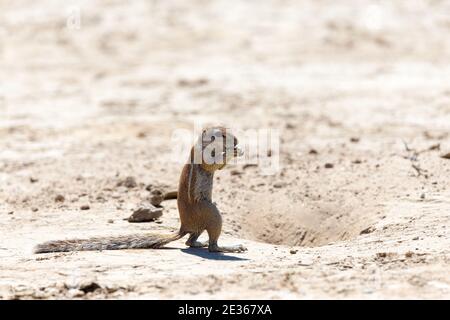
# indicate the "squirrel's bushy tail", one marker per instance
pixel 138 241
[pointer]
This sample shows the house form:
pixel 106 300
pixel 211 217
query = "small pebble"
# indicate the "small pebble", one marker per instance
pixel 446 156
pixel 329 165
pixel 128 182
pixel 60 198
pixel 145 214
pixel 157 197
pixel 367 230
pixel 290 125
pixel 85 207
pixel 89 286
pixel 141 134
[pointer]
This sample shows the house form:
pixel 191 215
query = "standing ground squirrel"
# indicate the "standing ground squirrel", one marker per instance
pixel 197 211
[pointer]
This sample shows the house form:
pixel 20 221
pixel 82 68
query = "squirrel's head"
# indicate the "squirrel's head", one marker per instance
pixel 215 147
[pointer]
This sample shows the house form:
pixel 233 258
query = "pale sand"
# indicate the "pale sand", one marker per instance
pixel 82 109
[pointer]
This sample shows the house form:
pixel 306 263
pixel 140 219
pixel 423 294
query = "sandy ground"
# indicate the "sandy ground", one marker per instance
pixel 346 84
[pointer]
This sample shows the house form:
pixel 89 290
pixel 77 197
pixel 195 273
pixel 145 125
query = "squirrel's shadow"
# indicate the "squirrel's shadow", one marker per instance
pixel 205 254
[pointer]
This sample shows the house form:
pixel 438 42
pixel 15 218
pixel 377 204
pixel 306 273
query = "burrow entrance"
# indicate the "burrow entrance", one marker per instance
pixel 282 221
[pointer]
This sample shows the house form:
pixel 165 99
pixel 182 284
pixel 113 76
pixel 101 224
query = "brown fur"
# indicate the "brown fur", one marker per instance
pixel 197 211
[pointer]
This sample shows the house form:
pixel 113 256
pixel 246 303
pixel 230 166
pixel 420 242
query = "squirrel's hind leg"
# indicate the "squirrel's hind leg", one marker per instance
pixel 213 225
pixel 236 248
pixel 194 243
pixel 214 229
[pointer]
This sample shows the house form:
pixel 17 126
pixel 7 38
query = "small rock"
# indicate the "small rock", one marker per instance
pixel 290 126
pixel 157 197
pixel 110 221
pixel 446 156
pixel 313 151
pixel 279 185
pixel 357 161
pixel 11 212
pixel 85 207
pixel 367 230
pixel 329 165
pixel 409 254
pixel 422 196
pixel 89 287
pixel 415 238
pixel 34 209
pixel 141 134
pixel 128 182
pixel 235 172
pixel 60 198
pixel 33 180
pixel 149 187
pixel 293 251
pixel 354 139
pixel 145 214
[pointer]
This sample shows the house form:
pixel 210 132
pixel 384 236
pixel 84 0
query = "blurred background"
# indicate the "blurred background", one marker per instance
pixel 203 59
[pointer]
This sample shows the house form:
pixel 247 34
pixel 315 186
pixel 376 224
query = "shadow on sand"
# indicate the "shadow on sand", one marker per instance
pixel 205 254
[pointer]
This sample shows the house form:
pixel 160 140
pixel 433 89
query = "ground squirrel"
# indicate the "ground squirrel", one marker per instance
pixel 197 211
